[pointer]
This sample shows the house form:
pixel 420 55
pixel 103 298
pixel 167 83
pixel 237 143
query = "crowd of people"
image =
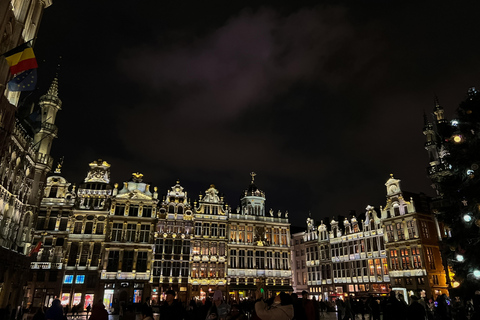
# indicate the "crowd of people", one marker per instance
pixel 280 307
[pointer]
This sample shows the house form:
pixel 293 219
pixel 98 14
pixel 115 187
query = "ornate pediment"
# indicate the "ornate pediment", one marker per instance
pixel 135 194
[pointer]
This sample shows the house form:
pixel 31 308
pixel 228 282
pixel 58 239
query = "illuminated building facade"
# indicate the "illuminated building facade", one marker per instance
pixel 412 243
pixel 128 249
pixel 312 258
pixel 209 245
pixel 24 163
pixel 258 247
pixel 171 266
pixel 298 263
pixel 359 260
pixel 87 237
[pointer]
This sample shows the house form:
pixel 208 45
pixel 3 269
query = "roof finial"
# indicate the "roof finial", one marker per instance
pixel 253 174
pixel 59 165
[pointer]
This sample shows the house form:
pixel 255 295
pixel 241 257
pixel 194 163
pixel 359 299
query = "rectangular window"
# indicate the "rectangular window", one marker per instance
pixel 214 230
pixel 51 223
pixel 117 231
pixel 389 229
pixel 133 211
pixel 142 257
pixel 285 261
pixel 144 235
pixel 395 264
pixel 241 259
pixel 100 227
pixel 68 279
pixel 400 232
pixel 260 259
pixel 277 261
pixel 371 267
pixel 221 230
pixel 385 266
pixel 127 261
pixel 233 258
pixel 425 231
pixel 196 247
pixel 88 227
pixel 96 254
pixel 147 212
pixel 269 260
pixel 249 234
pixel 78 227
pixel 250 259
pixel 119 209
pixel 241 233
pixel 405 259
pixel 417 262
pixel 213 248
pixel 198 228
pixel 221 249
pixel 80 279
pixel 430 258
pixel 411 229
pixel 72 257
pixel 113 258
pixel 206 229
pixel 131 232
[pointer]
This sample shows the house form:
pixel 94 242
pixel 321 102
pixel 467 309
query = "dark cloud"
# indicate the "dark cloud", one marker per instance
pixel 322 101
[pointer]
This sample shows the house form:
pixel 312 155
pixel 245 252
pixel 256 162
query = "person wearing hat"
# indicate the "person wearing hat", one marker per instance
pixel 415 310
pixel 171 309
pixel 219 310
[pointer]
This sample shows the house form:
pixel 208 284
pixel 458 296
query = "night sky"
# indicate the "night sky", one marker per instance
pixel 322 100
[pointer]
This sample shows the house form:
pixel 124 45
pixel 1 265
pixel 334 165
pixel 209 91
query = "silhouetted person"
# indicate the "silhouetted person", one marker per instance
pixel 99 312
pixel 171 309
pixel 55 312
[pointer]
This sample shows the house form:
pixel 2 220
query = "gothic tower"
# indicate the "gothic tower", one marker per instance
pixel 50 104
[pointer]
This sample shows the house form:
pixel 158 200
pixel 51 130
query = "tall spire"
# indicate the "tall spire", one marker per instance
pixel 53 90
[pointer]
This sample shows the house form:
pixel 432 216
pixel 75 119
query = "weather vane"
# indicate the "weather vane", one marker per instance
pixel 253 174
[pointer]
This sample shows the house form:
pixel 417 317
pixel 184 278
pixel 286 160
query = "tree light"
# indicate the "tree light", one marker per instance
pixel 457 138
pixel 467 218
pixel 460 258
pixel 476 273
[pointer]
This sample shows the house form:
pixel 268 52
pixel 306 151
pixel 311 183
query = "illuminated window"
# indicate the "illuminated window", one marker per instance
pixel 241 233
pixel 417 262
pixel 371 267
pixel 394 260
pixel 405 259
pixel 400 232
pixel 389 229
pixel 68 279
pixel 385 266
pixel 65 299
pixel 79 279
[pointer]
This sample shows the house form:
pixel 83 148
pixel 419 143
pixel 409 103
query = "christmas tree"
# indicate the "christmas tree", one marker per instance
pixel 454 151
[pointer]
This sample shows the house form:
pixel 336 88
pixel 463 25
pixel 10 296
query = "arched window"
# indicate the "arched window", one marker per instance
pixel 171 209
pixel 180 210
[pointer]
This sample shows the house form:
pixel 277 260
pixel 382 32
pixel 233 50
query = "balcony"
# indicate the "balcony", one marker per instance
pixel 44 159
pixel 50 128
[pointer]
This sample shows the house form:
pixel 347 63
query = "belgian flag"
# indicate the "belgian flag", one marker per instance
pixel 21 58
